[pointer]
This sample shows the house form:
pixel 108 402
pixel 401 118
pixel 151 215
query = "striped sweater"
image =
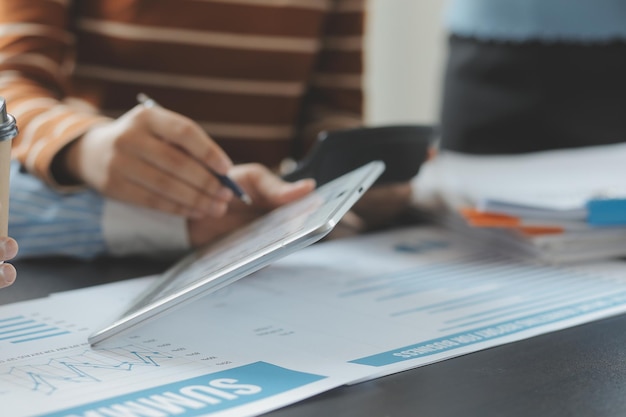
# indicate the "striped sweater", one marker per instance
pixel 263 77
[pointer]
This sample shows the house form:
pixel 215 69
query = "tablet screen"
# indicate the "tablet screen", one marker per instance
pixel 248 249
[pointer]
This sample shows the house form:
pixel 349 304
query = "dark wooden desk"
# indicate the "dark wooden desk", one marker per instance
pixel 576 372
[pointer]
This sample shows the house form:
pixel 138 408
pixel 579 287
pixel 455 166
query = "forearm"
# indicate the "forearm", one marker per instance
pixel 85 225
pixel 37 50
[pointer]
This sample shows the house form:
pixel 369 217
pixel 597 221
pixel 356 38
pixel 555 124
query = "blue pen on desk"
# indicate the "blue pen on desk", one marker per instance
pixel 225 180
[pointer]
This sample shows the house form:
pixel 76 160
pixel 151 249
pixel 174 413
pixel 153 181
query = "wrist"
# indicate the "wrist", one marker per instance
pixel 65 167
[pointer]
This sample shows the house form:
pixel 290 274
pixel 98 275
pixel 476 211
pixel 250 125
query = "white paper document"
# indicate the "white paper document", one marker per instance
pixel 554 181
pixel 331 314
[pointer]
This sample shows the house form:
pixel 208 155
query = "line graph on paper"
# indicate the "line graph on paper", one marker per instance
pixel 44 355
pixel 89 367
pixel 83 369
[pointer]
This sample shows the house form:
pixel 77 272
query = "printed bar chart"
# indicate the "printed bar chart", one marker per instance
pixel 21 329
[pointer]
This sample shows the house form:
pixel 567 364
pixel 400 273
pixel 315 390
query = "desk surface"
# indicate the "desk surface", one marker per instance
pixel 576 372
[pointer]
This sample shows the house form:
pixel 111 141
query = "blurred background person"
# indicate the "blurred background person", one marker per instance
pixel 259 80
pixel 531 75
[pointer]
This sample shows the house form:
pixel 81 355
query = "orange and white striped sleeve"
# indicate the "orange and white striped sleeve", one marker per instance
pixel 36 57
pixel 335 97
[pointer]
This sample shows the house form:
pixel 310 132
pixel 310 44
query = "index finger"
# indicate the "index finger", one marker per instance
pixel 183 132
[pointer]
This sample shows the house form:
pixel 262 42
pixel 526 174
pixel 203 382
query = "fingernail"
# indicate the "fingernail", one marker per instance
pixel 224 194
pixel 308 182
pixel 225 166
pixel 221 166
pixel 218 209
pixel 8 247
pixel 7 274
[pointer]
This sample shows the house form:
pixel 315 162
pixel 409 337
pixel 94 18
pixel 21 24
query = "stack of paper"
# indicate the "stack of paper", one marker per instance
pixel 564 205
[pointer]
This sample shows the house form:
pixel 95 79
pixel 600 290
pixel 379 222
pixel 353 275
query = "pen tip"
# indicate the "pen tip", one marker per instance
pixel 145 100
pixel 246 199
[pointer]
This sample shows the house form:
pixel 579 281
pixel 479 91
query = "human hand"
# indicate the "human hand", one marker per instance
pixel 381 204
pixel 154 158
pixel 8 250
pixel 267 192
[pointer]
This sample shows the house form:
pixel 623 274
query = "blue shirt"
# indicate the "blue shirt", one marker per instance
pixel 45 222
pixel 85 225
pixel 547 20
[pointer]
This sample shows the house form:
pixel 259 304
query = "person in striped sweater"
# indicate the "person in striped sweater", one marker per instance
pixel 244 84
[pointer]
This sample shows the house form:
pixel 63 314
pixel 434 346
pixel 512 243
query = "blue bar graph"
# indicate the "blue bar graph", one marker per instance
pixel 21 329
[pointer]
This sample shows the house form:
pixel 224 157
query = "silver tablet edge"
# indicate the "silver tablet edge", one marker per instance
pixel 236 272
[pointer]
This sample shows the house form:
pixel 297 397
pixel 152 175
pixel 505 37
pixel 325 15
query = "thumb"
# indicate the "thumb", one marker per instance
pixel 268 190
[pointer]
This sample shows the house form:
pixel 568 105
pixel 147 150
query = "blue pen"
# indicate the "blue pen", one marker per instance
pixel 225 180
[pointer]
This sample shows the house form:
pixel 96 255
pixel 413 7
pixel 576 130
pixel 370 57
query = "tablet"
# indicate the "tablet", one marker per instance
pixel 272 236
